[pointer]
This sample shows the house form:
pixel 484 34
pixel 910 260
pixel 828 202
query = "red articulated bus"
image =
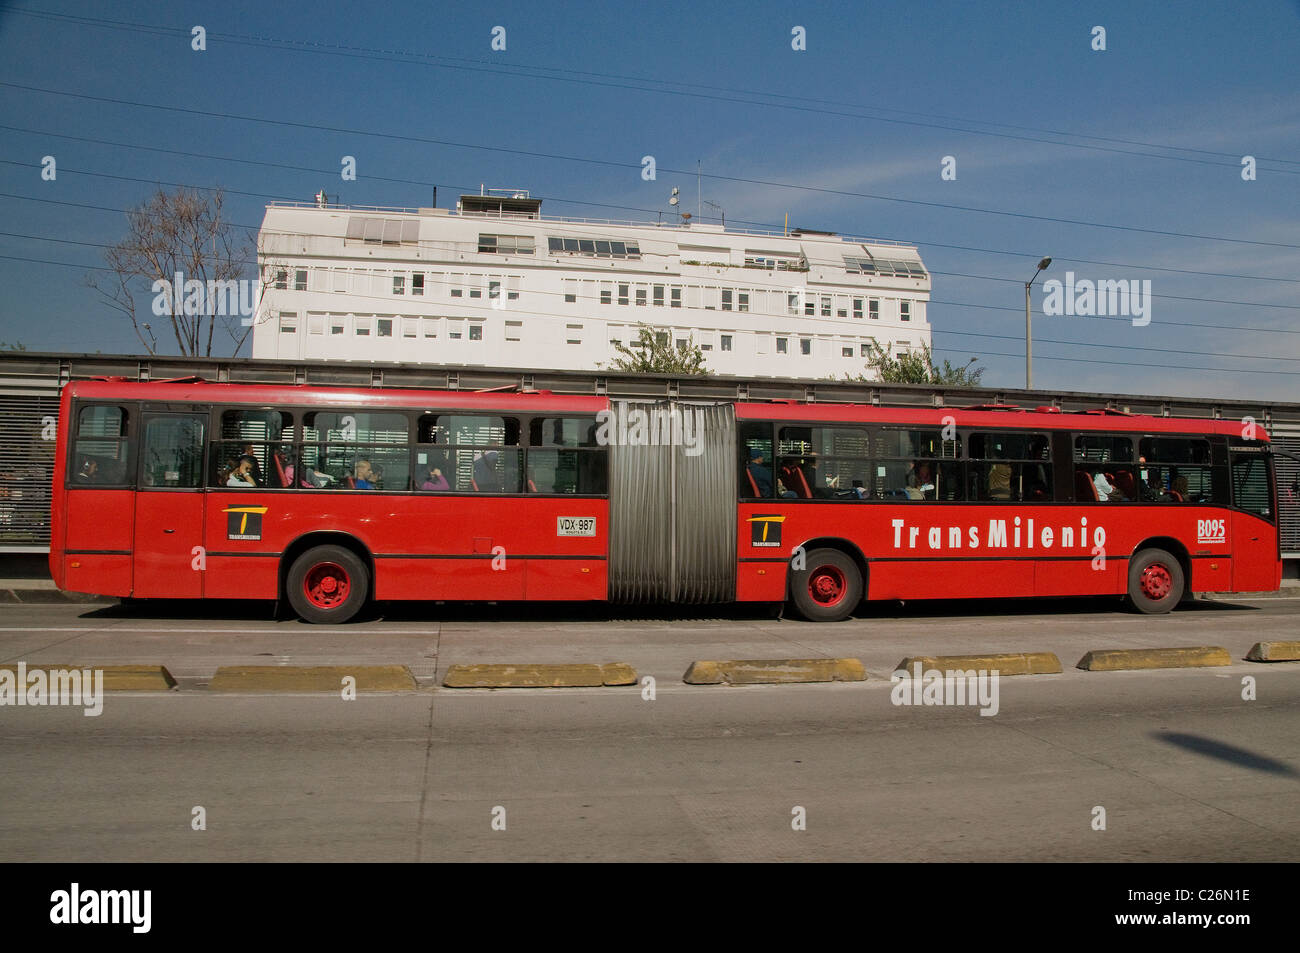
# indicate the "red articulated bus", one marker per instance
pixel 330 497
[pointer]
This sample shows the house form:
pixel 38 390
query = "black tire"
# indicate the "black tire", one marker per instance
pixel 1155 581
pixel 327 584
pixel 828 588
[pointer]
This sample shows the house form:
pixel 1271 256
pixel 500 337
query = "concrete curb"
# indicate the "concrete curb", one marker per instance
pixel 775 671
pixel 569 675
pixel 115 678
pixel 1274 652
pixel 321 678
pixel 1118 660
pixel 1005 663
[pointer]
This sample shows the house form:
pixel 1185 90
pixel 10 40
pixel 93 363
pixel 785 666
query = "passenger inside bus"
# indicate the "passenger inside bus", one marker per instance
pixel 760 475
pixel 921 481
pixel 363 475
pixel 485 473
pixel 434 480
pixel 89 468
pixel 241 474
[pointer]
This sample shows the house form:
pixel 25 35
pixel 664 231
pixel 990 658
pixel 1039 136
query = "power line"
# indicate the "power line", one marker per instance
pixel 843 193
pixel 526 71
pixel 764 225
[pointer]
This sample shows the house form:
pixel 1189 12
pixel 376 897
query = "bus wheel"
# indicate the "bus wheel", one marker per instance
pixel 327 584
pixel 1155 581
pixel 828 589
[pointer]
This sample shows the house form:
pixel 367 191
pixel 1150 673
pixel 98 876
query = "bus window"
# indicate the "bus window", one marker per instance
pixel 1251 484
pixel 917 465
pixel 1103 469
pixel 253 445
pixel 356 450
pixel 823 463
pixel 757 480
pixel 481 451
pixel 1179 470
pixel 172 453
pixel 1011 466
pixel 564 456
pixel 99 454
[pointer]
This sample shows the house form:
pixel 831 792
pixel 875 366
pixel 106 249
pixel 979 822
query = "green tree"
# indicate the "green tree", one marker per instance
pixel 918 367
pixel 654 353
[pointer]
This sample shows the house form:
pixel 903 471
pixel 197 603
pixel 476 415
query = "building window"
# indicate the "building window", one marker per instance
pixel 410 327
pixel 846 352
pixel 457 292
pixel 282 279
pixel 506 244
pixel 288 322
pixel 606 296
pixel 363 327
pixel 476 292
pixel 864 350
pixel 385 327
pixel 905 311
pixel 300 279
pixel 681 344
pixel 336 326
pixel 596 248
pixel 494 290
pixel 399 284
pixel 810 306
pixel 792 304
pixel 512 295
pixel 640 297
pixel 726 342
pixel 622 294
pixel 826 307
pixel 454 335
pixel 782 345
pixel 430 327
pixel 570 299
pixel 841 312
pixel 805 346
pixel 476 332
pixel 744 302
pixel 659 296
pixel 857 307
pixel 677 297
pixel 873 309
pixel 513 330
pixel 417 283
pixel 726 299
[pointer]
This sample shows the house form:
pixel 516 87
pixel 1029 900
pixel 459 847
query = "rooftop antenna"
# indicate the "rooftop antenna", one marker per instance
pixel 699 188
pixel 322 199
pixel 672 199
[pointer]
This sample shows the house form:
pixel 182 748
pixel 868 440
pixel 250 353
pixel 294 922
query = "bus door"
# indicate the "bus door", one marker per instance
pixel 1256 560
pixel 169 506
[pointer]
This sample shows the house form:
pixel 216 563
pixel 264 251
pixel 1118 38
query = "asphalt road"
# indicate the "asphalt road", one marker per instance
pixel 1184 767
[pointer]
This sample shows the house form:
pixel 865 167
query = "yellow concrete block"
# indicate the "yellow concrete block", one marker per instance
pixel 539 675
pixel 1006 663
pixel 1116 660
pixel 320 678
pixel 774 671
pixel 116 678
pixel 1274 652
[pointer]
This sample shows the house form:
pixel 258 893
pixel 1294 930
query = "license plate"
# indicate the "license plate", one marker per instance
pixel 575 526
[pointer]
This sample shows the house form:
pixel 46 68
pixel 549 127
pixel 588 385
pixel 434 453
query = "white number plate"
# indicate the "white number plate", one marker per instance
pixel 575 526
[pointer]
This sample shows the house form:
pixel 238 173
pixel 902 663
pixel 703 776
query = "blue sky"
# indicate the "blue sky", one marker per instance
pixel 834 135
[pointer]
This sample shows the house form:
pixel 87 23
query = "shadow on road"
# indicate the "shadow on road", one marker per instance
pixel 1224 752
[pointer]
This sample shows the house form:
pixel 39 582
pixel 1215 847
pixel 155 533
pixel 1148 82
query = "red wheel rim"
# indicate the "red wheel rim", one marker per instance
pixel 1156 582
pixel 327 585
pixel 826 586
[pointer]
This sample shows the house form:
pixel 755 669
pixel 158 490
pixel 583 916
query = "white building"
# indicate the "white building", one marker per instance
pixel 494 283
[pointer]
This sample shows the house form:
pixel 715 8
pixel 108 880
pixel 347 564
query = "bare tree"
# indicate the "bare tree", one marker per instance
pixel 181 251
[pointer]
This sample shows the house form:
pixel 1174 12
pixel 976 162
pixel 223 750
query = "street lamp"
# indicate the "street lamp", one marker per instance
pixel 1029 343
